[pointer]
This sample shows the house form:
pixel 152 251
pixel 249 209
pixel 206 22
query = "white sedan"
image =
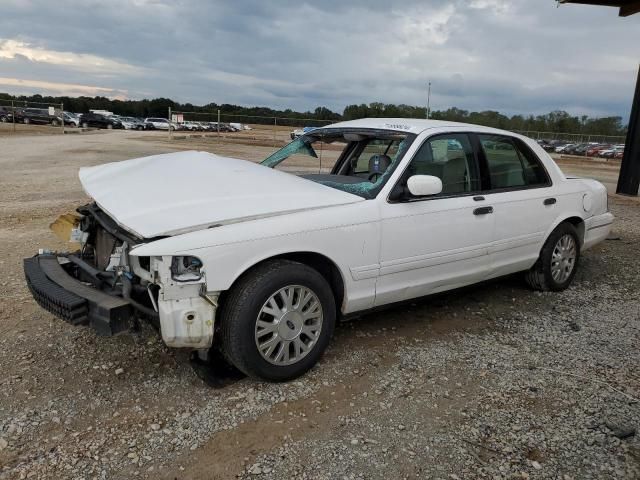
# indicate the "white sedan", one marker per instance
pixel 160 123
pixel 259 260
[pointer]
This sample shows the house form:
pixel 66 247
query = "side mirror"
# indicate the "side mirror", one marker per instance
pixel 421 185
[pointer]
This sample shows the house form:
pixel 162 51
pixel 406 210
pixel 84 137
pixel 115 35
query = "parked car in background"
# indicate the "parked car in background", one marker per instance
pixel 197 243
pixel 551 145
pixel 595 150
pixel 71 119
pixel 160 123
pixel 38 116
pixel 131 123
pixel 580 149
pixel 239 126
pixel 610 152
pixel 98 120
pixel 5 114
pixel 563 148
pixel 190 126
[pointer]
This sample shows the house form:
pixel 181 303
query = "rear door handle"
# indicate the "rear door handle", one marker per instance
pixel 549 201
pixel 483 210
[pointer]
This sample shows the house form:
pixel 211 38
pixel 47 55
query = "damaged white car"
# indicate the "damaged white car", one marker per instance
pixel 259 260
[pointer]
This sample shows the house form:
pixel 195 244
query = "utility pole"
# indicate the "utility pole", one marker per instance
pixel 429 100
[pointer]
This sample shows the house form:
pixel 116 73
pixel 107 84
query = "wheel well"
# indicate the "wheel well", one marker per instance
pixel 578 223
pixel 323 265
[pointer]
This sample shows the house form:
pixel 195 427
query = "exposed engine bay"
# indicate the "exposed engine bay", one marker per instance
pixel 103 260
pixel 122 289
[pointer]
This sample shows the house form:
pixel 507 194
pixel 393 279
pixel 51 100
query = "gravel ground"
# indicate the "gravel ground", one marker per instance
pixel 493 381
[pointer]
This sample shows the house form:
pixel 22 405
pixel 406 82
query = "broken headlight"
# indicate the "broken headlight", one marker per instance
pixel 186 269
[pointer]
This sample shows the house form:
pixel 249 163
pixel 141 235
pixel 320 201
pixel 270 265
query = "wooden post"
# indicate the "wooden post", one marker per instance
pixel 275 130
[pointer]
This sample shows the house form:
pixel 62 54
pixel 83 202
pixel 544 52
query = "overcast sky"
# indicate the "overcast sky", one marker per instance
pixel 518 56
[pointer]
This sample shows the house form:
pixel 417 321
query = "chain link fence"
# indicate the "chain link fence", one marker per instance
pixel 22 117
pixel 573 137
pixel 580 144
pixel 277 131
pixel 256 130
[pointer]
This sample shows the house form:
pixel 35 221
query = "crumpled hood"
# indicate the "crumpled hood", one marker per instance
pixel 180 192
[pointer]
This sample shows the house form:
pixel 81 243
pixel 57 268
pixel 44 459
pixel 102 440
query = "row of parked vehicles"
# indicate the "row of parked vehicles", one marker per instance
pixel 42 116
pixel 589 149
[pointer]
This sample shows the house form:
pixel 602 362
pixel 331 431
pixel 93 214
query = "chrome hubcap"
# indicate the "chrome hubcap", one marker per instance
pixel 563 259
pixel 288 325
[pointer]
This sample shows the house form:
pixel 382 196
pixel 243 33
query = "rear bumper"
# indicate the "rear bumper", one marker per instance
pixel 597 229
pixel 76 303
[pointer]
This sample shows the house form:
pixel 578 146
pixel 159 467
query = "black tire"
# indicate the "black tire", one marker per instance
pixel 240 310
pixel 539 277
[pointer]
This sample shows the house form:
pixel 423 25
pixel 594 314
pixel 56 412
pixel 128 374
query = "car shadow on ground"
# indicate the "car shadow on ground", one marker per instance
pixel 443 313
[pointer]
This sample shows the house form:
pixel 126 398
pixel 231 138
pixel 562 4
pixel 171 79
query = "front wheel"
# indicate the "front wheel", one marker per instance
pixel 558 260
pixel 277 321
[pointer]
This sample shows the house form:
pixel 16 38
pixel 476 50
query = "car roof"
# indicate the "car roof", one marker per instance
pixel 411 125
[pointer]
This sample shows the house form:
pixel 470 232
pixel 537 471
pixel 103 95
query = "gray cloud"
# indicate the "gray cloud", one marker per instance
pixel 513 56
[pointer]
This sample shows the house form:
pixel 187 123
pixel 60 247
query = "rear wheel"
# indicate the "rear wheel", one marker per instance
pixel 558 260
pixel 278 320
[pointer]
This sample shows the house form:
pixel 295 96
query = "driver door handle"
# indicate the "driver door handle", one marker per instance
pixel 483 210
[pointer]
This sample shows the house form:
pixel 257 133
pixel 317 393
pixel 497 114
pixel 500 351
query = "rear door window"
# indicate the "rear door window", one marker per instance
pixel 511 164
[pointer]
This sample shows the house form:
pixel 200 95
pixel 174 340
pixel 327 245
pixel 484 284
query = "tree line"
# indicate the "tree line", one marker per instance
pixel 556 121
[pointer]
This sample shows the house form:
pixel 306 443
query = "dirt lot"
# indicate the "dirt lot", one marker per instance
pixel 493 381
